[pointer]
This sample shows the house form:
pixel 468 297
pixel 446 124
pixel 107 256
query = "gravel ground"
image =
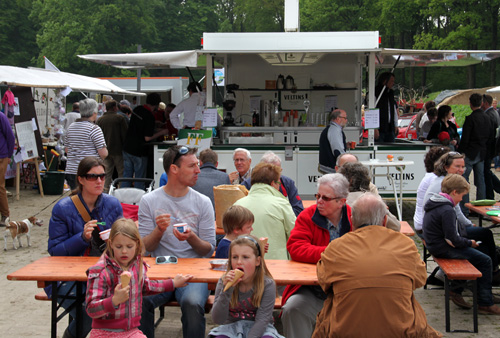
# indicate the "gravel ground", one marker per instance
pixel 22 316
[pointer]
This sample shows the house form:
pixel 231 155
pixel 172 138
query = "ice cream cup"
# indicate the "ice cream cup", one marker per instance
pixel 105 234
pixel 390 158
pixel 181 227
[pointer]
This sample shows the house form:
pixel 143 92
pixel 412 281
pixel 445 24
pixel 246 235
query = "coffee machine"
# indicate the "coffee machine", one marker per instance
pixel 228 105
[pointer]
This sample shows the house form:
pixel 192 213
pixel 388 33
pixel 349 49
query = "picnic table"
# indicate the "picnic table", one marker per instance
pixel 50 270
pixel 481 210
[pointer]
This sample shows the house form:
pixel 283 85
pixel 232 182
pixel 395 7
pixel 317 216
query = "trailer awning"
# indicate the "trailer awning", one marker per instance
pixel 433 58
pixel 180 59
pixel 44 78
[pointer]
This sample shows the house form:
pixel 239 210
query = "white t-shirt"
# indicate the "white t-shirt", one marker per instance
pixel 193 208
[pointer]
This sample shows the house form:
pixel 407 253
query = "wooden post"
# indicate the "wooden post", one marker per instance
pixel 18 176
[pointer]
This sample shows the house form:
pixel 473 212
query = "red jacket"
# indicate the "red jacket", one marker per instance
pixel 310 237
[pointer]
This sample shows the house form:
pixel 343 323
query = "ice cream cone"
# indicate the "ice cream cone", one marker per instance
pixel 125 278
pixel 237 275
pixel 263 246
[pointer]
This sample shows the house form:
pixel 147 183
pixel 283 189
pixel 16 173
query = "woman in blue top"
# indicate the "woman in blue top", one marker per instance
pixel 70 235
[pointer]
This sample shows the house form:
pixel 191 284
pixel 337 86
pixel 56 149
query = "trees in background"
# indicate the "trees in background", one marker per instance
pixel 61 30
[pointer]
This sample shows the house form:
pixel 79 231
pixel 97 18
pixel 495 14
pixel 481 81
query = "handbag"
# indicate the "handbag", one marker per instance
pixel 97 245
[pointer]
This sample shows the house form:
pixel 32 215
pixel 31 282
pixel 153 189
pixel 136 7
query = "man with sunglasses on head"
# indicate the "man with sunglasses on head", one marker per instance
pixel 177 202
pixel 315 228
pixel 332 141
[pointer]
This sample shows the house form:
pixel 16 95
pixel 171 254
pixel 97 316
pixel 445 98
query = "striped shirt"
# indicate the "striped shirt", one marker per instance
pixel 83 139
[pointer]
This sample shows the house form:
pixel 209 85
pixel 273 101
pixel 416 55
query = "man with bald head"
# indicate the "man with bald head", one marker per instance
pixel 359 299
pixel 332 141
pixel 350 158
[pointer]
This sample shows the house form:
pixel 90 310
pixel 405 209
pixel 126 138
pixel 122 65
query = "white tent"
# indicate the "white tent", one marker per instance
pixel 494 90
pixel 180 59
pixel 44 78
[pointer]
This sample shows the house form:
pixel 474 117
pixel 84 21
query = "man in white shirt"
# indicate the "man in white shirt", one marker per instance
pixel 188 107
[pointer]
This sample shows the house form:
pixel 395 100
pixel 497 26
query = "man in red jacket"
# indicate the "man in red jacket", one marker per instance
pixel 314 229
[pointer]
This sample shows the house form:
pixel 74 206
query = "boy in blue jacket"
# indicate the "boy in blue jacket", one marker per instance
pixel 443 240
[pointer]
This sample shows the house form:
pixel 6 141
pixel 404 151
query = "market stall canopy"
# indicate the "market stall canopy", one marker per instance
pixel 433 58
pixel 494 90
pixel 180 59
pixel 43 78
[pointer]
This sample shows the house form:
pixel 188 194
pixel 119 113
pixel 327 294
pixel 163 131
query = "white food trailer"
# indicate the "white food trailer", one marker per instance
pixel 328 69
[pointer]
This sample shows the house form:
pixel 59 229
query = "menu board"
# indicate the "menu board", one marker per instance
pixel 372 118
pixel 26 139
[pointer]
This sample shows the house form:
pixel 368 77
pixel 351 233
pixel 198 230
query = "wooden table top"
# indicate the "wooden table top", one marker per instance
pixel 482 210
pixel 64 268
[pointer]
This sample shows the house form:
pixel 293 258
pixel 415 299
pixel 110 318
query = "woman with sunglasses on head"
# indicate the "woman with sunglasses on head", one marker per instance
pixel 315 228
pixel 75 225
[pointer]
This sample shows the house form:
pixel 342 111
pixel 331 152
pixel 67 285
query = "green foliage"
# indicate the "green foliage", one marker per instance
pixel 461 111
pixel 61 30
pixel 17 35
pixel 251 15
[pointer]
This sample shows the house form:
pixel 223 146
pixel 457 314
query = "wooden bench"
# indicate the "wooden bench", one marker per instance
pixel 459 270
pixel 208 306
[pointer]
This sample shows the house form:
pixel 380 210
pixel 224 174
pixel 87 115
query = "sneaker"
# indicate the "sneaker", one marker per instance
pixel 489 310
pixel 459 301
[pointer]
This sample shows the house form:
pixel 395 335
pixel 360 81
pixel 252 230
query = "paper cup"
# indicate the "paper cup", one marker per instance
pixel 105 234
pixel 181 227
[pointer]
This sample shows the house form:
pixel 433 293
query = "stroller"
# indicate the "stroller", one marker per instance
pixel 130 197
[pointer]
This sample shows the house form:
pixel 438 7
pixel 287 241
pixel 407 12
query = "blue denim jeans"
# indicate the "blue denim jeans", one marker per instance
pixel 192 299
pixel 487 246
pixel 496 160
pixel 477 165
pixel 134 165
pixel 86 320
pixel 482 262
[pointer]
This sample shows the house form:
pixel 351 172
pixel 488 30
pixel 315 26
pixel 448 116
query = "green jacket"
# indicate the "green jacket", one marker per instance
pixel 274 217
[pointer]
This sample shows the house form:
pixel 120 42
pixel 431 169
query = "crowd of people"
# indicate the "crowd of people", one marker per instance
pixel 349 233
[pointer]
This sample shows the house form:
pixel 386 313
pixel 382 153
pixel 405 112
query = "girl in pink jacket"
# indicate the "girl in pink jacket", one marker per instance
pixel 113 304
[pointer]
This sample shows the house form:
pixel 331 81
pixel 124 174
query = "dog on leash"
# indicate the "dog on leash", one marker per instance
pixel 18 229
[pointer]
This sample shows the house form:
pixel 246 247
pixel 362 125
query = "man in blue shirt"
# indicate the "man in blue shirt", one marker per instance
pixel 332 142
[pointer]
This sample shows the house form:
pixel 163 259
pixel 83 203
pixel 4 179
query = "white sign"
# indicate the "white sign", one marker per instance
pixel 294 101
pixel 255 103
pixel 16 107
pixel 210 117
pixel 26 139
pixel 372 119
pixel 330 103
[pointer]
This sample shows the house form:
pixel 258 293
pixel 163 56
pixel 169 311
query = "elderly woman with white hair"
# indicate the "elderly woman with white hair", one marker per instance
pixel 84 138
pixel 315 228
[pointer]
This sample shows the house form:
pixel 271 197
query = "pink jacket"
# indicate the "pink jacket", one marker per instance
pixel 102 280
pixel 8 97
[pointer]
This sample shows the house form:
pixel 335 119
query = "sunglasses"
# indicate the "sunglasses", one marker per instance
pixel 181 152
pixel 94 177
pixel 326 198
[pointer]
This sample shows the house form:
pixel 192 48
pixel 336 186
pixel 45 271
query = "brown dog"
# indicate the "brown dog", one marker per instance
pixel 18 229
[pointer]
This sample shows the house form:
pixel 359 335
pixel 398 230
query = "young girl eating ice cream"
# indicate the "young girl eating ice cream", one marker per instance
pixel 116 283
pixel 245 294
